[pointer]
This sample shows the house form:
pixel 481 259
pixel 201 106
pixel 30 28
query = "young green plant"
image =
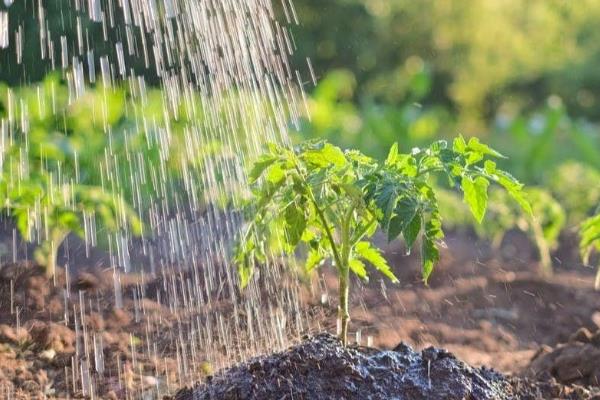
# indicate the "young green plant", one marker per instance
pixel 543 230
pixel 48 213
pixel 331 201
pixel 590 241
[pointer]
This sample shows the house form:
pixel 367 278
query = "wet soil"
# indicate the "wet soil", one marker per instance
pixel 321 368
pixel 487 308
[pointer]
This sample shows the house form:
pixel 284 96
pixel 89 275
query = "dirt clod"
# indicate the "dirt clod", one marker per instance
pixel 321 368
pixel 582 335
pixel 577 361
pixel 52 336
pixel 13 335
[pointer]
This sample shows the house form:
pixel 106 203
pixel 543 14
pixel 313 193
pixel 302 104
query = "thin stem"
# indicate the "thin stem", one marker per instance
pixel 328 232
pixel 344 276
pixel 57 237
pixel 346 243
pixel 340 260
pixel 543 248
pixel 343 269
pixel 51 271
pixel 344 315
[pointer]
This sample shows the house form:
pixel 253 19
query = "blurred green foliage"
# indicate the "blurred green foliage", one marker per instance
pixel 60 20
pixel 482 55
pixel 370 126
pixel 110 156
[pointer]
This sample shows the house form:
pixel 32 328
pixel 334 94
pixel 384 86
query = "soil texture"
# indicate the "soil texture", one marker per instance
pixel 574 362
pixel 321 368
pixel 488 308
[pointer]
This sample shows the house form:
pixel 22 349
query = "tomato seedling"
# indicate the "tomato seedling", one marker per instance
pixel 590 241
pixel 47 213
pixel 543 230
pixel 331 201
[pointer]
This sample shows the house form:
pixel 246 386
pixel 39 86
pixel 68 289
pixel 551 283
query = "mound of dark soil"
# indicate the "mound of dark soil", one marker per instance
pixel 321 368
pixel 575 362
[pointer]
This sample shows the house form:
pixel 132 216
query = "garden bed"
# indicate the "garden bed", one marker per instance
pixel 321 368
pixel 483 309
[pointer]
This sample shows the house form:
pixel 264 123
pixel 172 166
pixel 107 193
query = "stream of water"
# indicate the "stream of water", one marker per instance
pixel 218 71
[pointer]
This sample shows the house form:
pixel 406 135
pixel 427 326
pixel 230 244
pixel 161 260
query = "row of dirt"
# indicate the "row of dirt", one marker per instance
pixel 46 350
pixel 485 308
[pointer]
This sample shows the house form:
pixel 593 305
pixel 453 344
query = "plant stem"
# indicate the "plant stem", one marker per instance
pixel 341 258
pixel 344 276
pixel 52 255
pixel 544 250
pixel 57 237
pixel 344 315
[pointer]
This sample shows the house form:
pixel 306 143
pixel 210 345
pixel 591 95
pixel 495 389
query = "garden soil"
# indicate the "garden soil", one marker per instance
pixel 487 308
pixel 321 368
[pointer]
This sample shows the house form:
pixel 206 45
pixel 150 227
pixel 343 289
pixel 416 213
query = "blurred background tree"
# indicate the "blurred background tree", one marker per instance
pixel 481 56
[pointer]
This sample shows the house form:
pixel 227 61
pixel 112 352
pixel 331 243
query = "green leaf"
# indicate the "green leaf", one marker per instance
pixel 447 156
pixel 352 191
pixel 392 155
pixel 407 165
pixel 22 217
pixel 477 146
pixel 359 268
pixel 433 227
pixel 490 167
pixel 259 167
pixel 590 237
pixel 474 158
pixel 327 156
pixel 275 174
pixel 313 260
pixel 136 224
pixel 70 221
pixel 438 146
pixel 295 221
pixel 405 211
pixel 515 190
pixel 430 256
pixel 476 195
pixel 266 193
pixel 411 232
pixel 245 272
pixel 386 199
pixel 459 145
pixel 371 254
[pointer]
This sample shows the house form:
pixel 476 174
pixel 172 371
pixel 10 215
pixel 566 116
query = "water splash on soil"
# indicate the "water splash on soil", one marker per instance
pixel 321 368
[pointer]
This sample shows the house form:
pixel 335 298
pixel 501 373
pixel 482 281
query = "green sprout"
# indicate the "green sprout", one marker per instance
pixel 590 241
pixel 543 230
pixel 48 213
pixel 330 201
